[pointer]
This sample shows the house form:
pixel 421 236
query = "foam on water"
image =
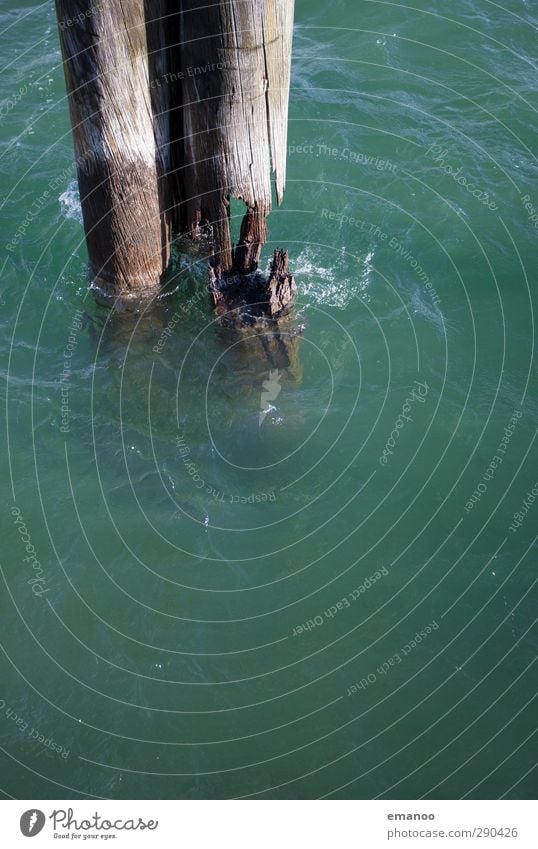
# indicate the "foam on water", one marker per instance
pixel 70 202
pixel 335 285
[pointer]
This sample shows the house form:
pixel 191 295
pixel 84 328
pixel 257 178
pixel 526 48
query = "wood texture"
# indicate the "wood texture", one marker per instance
pixel 112 54
pixel 176 107
pixel 235 89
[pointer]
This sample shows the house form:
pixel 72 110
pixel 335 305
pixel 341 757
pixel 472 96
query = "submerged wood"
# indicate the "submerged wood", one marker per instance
pixel 251 298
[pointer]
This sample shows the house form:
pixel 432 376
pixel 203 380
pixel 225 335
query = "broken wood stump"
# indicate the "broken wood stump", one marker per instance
pixel 248 298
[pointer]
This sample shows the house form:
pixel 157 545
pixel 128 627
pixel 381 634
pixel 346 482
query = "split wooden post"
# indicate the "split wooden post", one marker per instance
pixel 236 77
pixel 113 55
pixel 176 108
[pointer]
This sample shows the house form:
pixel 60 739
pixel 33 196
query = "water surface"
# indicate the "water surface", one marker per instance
pixel 229 602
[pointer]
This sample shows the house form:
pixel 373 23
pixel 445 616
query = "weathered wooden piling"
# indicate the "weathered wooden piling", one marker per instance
pixel 112 53
pixel 235 103
pixel 184 106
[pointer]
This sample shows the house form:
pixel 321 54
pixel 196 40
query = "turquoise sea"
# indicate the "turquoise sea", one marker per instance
pixel 225 579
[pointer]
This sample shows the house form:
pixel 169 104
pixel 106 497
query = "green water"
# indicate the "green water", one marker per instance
pixel 227 602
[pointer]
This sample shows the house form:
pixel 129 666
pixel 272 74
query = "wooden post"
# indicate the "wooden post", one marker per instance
pixel 177 106
pixel 235 88
pixel 113 59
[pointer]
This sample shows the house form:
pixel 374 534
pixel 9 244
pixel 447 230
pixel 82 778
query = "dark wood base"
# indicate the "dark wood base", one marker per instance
pixel 249 299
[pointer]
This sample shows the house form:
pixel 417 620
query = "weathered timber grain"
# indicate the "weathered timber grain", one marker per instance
pixel 177 106
pixel 113 52
pixel 236 57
